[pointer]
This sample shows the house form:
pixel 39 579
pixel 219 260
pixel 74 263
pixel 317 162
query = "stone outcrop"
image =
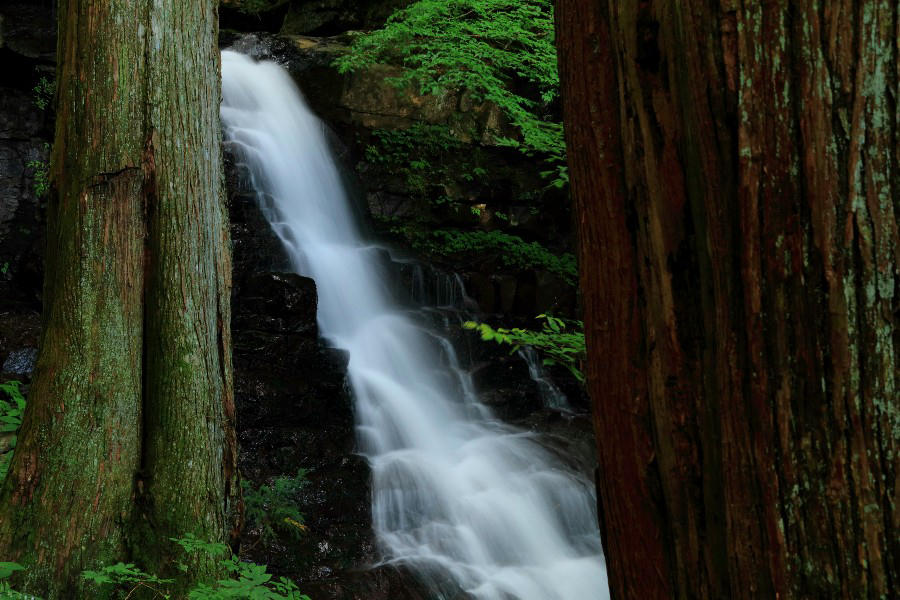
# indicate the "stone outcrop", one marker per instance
pixel 28 29
pixel 366 100
pixel 27 45
pixel 295 412
pixel 307 17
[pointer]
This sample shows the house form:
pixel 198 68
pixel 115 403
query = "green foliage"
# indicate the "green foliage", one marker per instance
pixel 8 568
pixel 245 581
pixel 513 251
pixel 41 174
pixel 430 159
pixel 501 51
pixel 248 581
pixel 43 92
pixel 273 508
pixel 560 340
pixel 11 410
pixel 6 592
pixel 128 575
pixel 192 545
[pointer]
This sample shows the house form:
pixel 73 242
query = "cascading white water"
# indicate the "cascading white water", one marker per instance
pixel 465 501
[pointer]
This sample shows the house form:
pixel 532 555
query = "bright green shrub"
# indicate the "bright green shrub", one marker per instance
pixel 501 51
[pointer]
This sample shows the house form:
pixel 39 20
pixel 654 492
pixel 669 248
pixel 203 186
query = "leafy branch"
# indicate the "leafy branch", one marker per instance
pixel 499 51
pixel 561 341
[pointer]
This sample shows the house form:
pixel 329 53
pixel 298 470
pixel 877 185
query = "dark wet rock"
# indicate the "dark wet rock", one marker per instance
pixel 278 303
pixel 569 437
pixel 29 28
pixel 391 206
pixel 327 17
pixel 295 412
pixel 519 293
pixel 294 409
pixel 20 326
pixel 20 362
pixel 27 41
pixel 379 583
pixel 255 247
pixel 252 15
pixel 307 17
pixel 503 382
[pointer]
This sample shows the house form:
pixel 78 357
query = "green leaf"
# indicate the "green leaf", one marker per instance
pixel 491 49
pixel 8 568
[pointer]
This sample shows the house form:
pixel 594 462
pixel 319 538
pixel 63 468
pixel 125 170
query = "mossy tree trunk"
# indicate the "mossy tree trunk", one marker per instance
pixel 736 170
pixel 128 437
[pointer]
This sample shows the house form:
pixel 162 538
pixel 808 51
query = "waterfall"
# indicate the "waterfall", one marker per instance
pixel 463 500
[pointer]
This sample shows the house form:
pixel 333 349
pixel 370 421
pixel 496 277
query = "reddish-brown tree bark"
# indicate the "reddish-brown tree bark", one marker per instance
pixel 736 172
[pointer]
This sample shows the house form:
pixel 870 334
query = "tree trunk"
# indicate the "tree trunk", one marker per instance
pixel 128 436
pixel 736 171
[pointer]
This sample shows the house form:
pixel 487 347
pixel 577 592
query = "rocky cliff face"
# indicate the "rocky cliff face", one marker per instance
pixel 469 183
pixel 27 44
pixel 306 17
pixel 295 412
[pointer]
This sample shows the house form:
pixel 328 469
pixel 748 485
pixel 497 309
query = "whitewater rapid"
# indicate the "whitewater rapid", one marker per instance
pixel 465 501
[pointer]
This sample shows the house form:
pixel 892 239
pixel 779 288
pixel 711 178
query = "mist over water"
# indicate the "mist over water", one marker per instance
pixel 464 500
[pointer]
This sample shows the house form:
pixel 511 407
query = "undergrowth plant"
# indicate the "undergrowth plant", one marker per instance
pixel 6 570
pixel 561 341
pixel 243 580
pixel 273 508
pixel 512 250
pixel 128 576
pixel 500 51
pixel 43 92
pixel 12 407
pixel 429 158
pixel 41 176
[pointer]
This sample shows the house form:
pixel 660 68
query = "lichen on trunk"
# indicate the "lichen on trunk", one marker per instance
pixel 128 437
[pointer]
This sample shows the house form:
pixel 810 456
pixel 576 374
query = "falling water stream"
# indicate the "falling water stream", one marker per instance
pixel 465 501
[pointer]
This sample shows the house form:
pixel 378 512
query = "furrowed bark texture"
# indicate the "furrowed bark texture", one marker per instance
pixel 128 435
pixel 736 170
pixel 191 449
pixel 190 445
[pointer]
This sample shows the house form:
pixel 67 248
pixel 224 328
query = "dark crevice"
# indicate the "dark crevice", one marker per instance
pixel 105 178
pixel 851 394
pixel 144 510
